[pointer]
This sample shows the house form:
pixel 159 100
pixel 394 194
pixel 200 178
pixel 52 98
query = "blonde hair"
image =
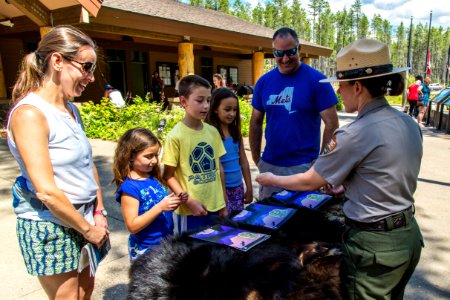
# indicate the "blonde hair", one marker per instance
pixel 66 40
pixel 220 78
pixel 427 80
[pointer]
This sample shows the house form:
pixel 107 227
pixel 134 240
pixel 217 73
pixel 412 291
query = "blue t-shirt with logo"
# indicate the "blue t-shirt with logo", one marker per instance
pixel 149 192
pixel 292 104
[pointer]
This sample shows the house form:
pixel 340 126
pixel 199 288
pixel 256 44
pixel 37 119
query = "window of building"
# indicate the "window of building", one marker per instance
pixel 139 73
pixel 116 69
pixel 168 72
pixel 228 73
pixel 206 68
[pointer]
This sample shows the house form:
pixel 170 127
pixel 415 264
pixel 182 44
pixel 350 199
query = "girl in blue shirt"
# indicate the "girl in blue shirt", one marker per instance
pixel 146 208
pixel 225 116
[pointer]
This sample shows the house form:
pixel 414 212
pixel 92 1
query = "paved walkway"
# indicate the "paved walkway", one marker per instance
pixel 430 281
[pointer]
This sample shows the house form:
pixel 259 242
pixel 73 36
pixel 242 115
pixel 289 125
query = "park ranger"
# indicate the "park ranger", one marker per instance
pixel 376 159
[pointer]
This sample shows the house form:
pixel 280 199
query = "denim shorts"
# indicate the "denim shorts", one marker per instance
pixel 48 248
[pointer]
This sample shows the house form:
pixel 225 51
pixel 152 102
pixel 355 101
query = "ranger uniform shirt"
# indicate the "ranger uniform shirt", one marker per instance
pixel 377 159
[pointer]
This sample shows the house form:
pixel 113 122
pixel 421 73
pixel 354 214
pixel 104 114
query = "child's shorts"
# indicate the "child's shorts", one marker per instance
pixel 235 202
pixel 48 248
pixel 135 249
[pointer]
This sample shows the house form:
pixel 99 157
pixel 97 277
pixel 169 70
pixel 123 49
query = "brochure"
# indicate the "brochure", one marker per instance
pixel 312 200
pixel 92 256
pixel 268 216
pixel 233 237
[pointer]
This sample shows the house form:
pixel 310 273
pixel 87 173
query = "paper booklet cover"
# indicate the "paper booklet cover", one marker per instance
pixel 92 256
pixel 233 237
pixel 268 216
pixel 312 200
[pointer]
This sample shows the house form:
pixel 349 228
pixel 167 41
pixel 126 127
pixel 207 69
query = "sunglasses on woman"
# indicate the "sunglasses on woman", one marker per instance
pixel 281 53
pixel 87 67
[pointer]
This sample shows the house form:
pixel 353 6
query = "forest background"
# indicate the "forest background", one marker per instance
pixel 314 21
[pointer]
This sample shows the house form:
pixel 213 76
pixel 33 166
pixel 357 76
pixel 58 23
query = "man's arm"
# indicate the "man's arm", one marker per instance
pixel 255 134
pixel 330 118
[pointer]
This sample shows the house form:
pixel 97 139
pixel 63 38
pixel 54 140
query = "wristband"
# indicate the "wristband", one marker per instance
pixel 102 212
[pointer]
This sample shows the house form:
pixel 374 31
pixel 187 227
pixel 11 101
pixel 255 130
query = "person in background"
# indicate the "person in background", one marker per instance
pixel 114 96
pixel 191 155
pixel 294 103
pixel 157 87
pixel 413 95
pixel 177 84
pixel 382 241
pixel 58 200
pixel 218 81
pixel 225 116
pixel 146 207
pixel 424 90
pixel 230 83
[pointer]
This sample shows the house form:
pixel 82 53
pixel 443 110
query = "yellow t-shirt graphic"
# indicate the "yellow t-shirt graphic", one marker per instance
pixel 195 155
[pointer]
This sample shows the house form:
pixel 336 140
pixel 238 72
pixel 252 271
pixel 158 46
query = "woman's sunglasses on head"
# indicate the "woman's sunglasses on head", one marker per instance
pixel 88 67
pixel 281 53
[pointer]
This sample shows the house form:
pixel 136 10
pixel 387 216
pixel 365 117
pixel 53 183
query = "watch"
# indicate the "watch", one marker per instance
pixel 102 212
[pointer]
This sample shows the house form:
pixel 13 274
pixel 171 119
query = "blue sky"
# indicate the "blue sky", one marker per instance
pixel 395 11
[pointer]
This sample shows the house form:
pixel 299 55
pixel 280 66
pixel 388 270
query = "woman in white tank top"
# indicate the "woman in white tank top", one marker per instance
pixel 58 192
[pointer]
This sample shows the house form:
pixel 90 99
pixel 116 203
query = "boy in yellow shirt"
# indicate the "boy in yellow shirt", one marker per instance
pixel 191 159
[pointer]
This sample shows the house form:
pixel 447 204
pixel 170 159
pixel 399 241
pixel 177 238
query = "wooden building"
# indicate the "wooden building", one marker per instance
pixel 137 37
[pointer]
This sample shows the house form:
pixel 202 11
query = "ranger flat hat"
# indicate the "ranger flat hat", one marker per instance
pixel 361 59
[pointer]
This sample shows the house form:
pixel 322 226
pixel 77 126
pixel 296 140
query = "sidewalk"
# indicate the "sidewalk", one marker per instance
pixel 430 281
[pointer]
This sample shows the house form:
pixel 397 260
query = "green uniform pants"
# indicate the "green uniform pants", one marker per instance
pixel 378 264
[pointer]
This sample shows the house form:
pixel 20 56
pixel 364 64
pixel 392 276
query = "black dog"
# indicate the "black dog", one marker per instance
pixel 184 268
pixel 290 265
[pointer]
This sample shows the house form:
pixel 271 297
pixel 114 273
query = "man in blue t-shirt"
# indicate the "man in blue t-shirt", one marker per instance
pixel 294 103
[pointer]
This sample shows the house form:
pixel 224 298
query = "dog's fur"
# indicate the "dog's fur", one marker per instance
pixel 287 266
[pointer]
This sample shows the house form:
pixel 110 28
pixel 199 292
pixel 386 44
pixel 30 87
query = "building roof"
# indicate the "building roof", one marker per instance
pixel 185 13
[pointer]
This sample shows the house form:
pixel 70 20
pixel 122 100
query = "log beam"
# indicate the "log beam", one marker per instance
pixel 34 10
pixel 185 59
pixel 258 65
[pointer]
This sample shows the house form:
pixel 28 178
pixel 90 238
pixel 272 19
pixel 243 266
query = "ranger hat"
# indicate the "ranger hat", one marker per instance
pixel 362 59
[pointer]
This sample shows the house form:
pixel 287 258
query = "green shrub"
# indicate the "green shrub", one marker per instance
pixel 104 121
pixel 340 104
pixel 246 113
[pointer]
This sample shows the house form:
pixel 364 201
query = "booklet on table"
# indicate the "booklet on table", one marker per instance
pixel 268 216
pixel 233 237
pixel 312 200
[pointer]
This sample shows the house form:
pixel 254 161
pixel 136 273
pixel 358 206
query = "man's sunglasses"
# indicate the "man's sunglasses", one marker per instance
pixel 281 53
pixel 88 67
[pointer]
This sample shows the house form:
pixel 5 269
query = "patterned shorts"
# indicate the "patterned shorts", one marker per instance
pixel 48 248
pixel 235 196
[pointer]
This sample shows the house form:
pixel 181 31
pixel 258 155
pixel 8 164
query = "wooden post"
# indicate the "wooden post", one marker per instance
pixel 306 60
pixel 44 30
pixel 2 80
pixel 185 59
pixel 258 65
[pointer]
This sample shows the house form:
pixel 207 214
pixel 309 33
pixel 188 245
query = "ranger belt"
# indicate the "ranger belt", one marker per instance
pixel 391 222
